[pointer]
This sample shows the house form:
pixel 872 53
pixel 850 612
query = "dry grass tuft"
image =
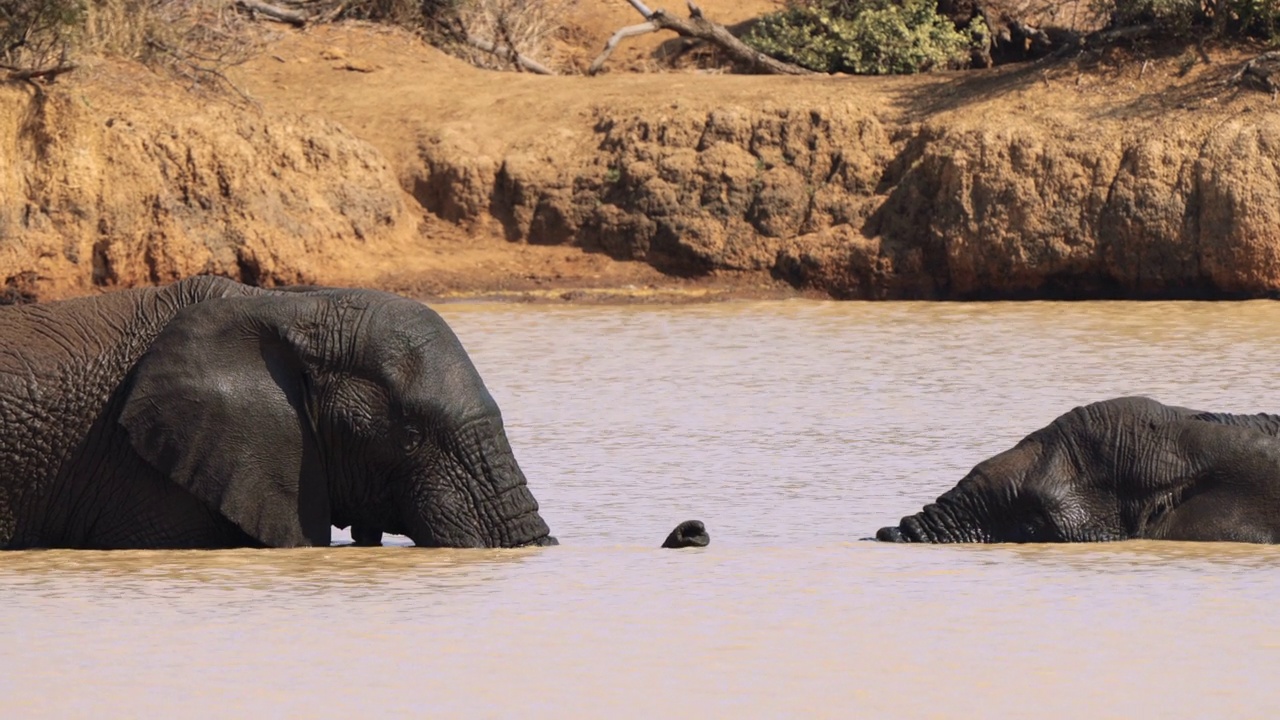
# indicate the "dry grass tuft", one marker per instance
pixel 194 39
pixel 525 25
pixel 199 39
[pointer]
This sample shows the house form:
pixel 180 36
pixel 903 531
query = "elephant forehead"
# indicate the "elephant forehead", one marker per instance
pixel 409 326
pixel 426 371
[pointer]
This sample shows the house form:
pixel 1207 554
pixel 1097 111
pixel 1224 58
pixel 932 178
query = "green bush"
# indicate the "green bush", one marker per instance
pixel 868 37
pixel 1224 18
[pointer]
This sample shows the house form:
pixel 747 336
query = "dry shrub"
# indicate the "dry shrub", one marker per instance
pixel 195 39
pixel 38 33
pixel 198 39
pixel 525 25
pixel 406 13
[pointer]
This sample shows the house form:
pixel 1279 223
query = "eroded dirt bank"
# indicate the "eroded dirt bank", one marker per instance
pixel 106 188
pixel 1111 178
pixel 421 174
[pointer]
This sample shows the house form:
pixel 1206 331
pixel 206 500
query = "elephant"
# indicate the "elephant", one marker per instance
pixel 211 414
pixel 365 536
pixel 690 533
pixel 1125 468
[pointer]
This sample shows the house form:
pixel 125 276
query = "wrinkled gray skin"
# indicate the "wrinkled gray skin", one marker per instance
pixel 690 533
pixel 1120 469
pixel 211 414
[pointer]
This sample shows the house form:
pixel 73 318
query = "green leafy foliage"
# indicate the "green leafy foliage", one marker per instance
pixel 869 37
pixel 1224 18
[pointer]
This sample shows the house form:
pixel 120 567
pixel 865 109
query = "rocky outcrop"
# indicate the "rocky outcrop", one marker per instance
pixel 95 192
pixel 1021 213
pixel 1012 184
pixel 689 192
pixel 831 197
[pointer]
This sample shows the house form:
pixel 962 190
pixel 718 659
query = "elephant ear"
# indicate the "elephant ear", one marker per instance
pixel 219 404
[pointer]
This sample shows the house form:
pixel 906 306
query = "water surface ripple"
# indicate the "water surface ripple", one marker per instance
pixel 793 429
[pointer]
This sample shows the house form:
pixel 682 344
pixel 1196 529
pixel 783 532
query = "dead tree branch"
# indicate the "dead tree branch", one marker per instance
pixel 296 18
pixel 1099 39
pixel 510 55
pixel 700 28
pixel 641 8
pixel 196 68
pixel 1262 73
pixel 14 73
pixel 624 33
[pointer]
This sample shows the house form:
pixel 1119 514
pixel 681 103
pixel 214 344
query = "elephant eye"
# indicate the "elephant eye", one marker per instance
pixel 410 438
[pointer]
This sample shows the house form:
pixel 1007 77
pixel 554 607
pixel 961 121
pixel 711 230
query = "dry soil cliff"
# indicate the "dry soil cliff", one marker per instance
pixel 375 159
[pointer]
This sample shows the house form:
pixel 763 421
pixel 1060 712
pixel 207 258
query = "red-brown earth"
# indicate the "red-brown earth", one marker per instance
pixel 372 158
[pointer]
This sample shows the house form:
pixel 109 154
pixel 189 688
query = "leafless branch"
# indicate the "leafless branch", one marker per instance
pixel 189 65
pixel 1099 39
pixel 700 28
pixel 296 18
pixel 15 73
pixel 641 8
pixel 1262 73
pixel 510 55
pixel 624 33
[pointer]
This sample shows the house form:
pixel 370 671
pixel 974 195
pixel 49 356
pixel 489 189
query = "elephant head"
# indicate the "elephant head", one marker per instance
pixel 1020 495
pixel 1113 470
pixel 289 412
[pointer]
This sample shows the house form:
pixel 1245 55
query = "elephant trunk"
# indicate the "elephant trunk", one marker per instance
pixel 485 486
pixel 944 521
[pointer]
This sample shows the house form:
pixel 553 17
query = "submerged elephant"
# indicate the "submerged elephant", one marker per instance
pixel 1120 469
pixel 212 414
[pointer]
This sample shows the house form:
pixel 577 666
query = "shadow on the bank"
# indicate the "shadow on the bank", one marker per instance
pixel 1109 64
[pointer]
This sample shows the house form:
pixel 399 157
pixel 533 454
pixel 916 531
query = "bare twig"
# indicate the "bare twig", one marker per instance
pixel 1125 33
pixel 188 65
pixel 1262 73
pixel 509 55
pixel 509 45
pixel 335 11
pixel 18 73
pixel 700 28
pixel 1099 39
pixel 641 8
pixel 624 33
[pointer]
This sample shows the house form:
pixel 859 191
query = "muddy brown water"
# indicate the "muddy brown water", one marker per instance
pixel 793 429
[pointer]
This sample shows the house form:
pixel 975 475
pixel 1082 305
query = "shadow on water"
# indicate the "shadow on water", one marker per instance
pixel 1107 557
pixel 1150 554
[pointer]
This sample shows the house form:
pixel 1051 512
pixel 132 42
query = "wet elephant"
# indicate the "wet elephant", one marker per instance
pixel 212 414
pixel 1119 469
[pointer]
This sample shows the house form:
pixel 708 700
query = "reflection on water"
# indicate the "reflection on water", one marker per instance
pixel 346 568
pixel 793 429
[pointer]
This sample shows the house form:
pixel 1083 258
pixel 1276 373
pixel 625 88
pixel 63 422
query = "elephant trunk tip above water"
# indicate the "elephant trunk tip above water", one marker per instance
pixel 690 533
